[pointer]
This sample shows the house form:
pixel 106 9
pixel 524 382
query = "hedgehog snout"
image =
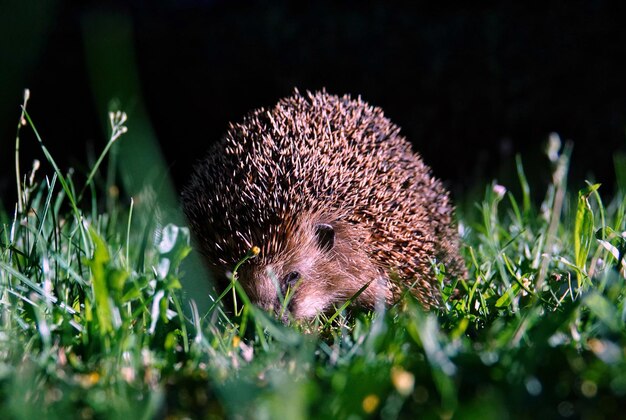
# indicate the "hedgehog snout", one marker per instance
pixel 273 287
pixel 292 290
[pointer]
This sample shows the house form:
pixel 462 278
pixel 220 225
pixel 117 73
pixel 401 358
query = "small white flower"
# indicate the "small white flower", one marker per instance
pixel 499 190
pixel 554 145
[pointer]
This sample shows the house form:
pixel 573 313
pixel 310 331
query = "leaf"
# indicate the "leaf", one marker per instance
pixel 116 278
pixel 507 298
pixel 523 184
pixel 132 289
pixel 615 252
pixel 611 248
pixel 155 311
pixel 173 247
pixel 131 293
pixel 425 331
pixel 98 264
pixel 583 228
pixel 603 310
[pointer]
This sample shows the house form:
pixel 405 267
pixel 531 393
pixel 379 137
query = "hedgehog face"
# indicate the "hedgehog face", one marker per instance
pixel 314 273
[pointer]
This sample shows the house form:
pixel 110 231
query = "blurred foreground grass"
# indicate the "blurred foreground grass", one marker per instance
pixel 95 324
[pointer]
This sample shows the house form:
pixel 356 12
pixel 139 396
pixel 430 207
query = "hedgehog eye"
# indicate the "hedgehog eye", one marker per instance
pixel 290 280
pixel 325 236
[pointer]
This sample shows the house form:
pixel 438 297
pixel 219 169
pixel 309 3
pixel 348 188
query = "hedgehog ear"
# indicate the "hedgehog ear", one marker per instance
pixel 325 234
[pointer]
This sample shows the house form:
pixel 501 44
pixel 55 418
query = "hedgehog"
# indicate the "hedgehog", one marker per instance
pixel 333 199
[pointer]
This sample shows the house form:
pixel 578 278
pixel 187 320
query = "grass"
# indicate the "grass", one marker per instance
pixel 95 324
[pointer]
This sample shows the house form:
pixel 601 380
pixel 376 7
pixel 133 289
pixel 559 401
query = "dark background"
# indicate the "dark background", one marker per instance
pixel 470 85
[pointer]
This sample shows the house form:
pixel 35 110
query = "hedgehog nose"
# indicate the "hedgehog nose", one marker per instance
pixel 282 311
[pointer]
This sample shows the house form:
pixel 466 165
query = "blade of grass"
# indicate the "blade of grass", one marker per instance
pixel 18 176
pixel 62 180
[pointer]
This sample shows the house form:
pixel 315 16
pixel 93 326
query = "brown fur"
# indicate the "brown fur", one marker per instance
pixel 330 160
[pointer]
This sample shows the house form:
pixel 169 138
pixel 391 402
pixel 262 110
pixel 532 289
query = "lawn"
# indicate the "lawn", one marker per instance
pixel 98 321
